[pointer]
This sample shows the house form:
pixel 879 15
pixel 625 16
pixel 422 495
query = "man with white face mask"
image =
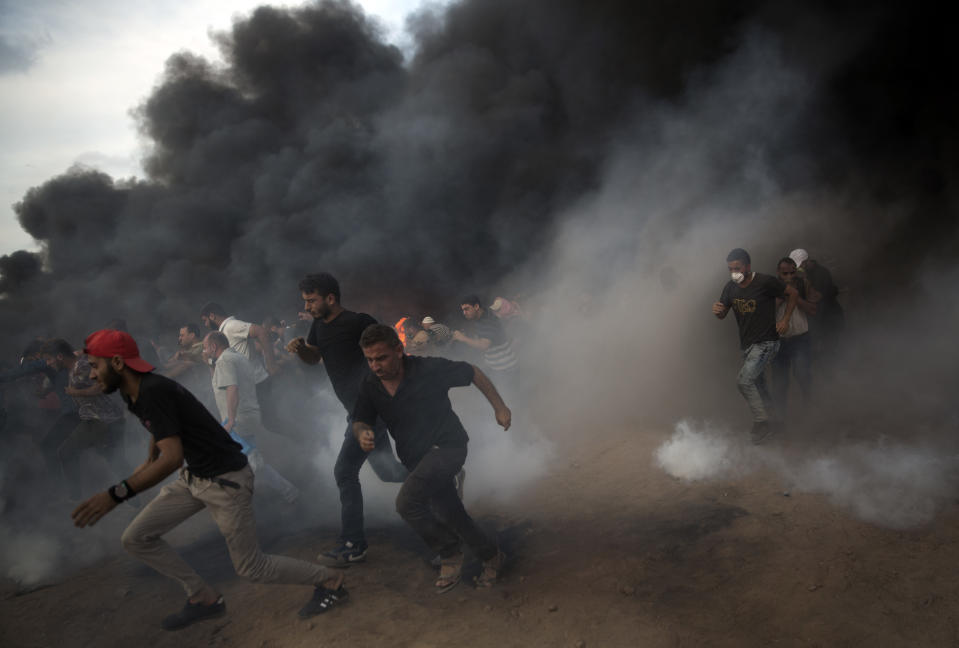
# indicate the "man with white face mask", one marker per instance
pixel 753 298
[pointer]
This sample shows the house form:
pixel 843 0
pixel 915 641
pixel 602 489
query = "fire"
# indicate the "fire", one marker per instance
pixel 401 330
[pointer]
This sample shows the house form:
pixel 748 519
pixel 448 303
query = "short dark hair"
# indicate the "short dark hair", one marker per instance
pixel 322 284
pixel 375 333
pixel 217 338
pixel 738 254
pixel 192 328
pixel 33 348
pixel 271 321
pixel 212 308
pixel 786 260
pixel 56 346
pixel 472 300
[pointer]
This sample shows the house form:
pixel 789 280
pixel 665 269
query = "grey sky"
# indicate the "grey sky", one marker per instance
pixel 70 72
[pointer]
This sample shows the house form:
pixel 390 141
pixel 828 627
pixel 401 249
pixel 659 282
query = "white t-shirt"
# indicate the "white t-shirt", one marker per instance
pixel 798 324
pixel 233 369
pixel 237 333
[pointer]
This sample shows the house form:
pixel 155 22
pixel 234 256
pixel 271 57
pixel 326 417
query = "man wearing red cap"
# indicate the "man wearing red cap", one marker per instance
pixel 216 477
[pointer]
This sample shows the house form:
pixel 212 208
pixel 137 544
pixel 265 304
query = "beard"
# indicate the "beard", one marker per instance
pixel 111 382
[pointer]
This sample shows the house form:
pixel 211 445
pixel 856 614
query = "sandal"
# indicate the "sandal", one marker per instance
pixel 491 570
pixel 450 571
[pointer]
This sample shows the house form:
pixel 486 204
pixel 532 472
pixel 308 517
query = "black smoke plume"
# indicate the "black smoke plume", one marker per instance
pixel 316 147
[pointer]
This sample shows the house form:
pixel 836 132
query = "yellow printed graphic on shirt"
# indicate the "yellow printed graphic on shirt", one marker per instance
pixel 743 306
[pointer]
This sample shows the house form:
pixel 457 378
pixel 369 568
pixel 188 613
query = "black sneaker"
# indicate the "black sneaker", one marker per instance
pixel 193 612
pixel 761 430
pixel 348 552
pixel 323 600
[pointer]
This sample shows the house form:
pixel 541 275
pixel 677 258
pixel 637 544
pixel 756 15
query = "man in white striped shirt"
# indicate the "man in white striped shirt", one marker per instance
pixel 487 335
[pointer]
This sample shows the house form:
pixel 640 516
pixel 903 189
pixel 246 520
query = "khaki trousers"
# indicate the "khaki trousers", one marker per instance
pixel 232 511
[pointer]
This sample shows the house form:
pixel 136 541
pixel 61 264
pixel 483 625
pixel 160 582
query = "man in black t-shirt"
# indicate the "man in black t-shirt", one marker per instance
pixel 411 394
pixel 216 477
pixel 334 340
pixel 752 296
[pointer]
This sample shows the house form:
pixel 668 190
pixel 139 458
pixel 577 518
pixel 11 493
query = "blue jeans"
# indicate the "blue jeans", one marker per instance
pixel 752 379
pixel 346 471
pixel 795 356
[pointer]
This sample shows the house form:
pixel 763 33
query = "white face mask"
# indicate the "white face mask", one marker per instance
pixel 737 277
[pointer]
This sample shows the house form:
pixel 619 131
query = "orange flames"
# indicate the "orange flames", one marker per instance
pixel 401 330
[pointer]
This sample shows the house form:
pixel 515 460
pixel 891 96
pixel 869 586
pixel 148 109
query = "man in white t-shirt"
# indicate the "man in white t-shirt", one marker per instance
pixel 795 351
pixel 243 337
pixel 235 394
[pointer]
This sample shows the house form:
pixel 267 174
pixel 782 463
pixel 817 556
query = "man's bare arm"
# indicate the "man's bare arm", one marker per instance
pixel 720 310
pixel 806 306
pixel 485 385
pixel 791 296
pixel 150 474
pixel 266 346
pixel 232 404
pixel 477 343
pixel 307 353
pixel 178 368
pixel 152 453
pixel 93 390
pixel 364 435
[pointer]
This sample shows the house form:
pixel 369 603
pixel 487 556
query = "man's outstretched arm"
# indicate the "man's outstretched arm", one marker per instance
pixel 477 343
pixel 304 351
pixel 150 474
pixel 486 386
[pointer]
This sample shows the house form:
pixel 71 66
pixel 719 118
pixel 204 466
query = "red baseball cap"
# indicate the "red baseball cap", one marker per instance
pixel 107 343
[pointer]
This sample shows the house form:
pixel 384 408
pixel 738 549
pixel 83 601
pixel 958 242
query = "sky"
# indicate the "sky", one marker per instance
pixel 71 72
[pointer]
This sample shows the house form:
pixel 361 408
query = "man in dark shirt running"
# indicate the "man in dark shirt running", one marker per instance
pixel 411 394
pixel 216 477
pixel 753 298
pixel 334 340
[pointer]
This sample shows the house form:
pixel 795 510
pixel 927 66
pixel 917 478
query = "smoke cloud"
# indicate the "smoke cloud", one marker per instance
pixel 881 481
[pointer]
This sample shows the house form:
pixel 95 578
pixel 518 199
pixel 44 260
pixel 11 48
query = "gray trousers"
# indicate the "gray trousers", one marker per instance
pixel 232 511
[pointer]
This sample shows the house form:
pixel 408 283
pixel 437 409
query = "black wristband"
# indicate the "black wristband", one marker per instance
pixel 113 494
pixel 130 491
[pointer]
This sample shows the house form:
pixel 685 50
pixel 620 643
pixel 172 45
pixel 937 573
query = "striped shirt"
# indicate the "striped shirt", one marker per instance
pixel 499 356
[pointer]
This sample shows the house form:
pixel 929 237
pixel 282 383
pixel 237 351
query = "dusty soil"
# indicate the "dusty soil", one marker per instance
pixel 605 551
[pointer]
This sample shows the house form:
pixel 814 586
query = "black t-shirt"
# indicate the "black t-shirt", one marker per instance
pixel 339 344
pixel 755 308
pixel 166 408
pixel 419 415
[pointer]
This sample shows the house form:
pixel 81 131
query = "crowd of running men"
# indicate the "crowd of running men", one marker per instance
pixel 204 425
pixel 206 404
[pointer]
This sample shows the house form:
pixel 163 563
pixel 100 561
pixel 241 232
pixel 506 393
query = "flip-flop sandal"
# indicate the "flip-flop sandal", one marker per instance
pixel 451 570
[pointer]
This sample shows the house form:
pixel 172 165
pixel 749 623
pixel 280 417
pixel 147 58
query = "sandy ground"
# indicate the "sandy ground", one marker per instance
pixel 607 550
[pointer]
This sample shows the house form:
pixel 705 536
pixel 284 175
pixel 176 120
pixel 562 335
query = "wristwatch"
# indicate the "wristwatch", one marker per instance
pixel 121 492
